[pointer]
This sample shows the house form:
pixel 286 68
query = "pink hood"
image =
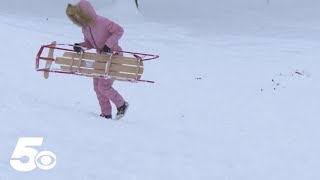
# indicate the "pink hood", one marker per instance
pixel 87 8
pixel 102 32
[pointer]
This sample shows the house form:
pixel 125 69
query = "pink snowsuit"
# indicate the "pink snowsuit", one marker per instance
pixel 102 32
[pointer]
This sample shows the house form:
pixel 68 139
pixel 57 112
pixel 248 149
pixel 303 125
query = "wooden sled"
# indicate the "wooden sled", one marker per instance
pixel 93 64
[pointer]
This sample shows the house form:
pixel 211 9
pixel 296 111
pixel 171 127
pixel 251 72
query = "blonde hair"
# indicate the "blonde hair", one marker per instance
pixel 78 16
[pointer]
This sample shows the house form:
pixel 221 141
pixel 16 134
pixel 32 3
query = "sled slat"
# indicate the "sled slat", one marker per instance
pixel 86 64
pixel 126 60
pixel 104 58
pixel 100 72
pixel 83 70
pixel 90 56
pixel 99 65
pixel 127 69
pixel 122 75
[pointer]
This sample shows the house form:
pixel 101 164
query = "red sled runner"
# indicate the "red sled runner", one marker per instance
pixel 64 60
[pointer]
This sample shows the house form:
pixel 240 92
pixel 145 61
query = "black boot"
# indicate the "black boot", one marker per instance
pixel 106 116
pixel 122 110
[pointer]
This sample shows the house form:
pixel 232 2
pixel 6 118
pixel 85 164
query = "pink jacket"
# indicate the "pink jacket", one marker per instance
pixel 102 32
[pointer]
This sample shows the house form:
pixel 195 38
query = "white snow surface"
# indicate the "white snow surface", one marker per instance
pixel 213 113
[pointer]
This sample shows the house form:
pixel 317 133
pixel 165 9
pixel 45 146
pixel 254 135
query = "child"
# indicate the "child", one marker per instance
pixel 102 34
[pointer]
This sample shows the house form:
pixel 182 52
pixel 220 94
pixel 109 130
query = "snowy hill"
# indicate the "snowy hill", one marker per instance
pixel 235 97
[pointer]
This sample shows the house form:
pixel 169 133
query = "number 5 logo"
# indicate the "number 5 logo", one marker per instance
pixel 44 160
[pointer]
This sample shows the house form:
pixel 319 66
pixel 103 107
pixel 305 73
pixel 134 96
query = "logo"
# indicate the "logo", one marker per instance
pixel 25 158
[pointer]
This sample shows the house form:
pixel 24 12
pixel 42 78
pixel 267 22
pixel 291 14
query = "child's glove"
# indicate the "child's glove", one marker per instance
pixel 77 48
pixel 106 49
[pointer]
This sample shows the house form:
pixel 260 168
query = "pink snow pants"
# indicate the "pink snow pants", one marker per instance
pixel 105 94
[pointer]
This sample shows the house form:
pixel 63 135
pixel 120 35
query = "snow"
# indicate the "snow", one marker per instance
pixel 213 113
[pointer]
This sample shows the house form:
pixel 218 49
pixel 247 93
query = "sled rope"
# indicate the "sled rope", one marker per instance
pixel 71 64
pixel 108 64
pixel 79 63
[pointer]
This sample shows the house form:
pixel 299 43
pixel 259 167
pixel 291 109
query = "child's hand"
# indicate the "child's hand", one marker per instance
pixel 77 48
pixel 106 49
